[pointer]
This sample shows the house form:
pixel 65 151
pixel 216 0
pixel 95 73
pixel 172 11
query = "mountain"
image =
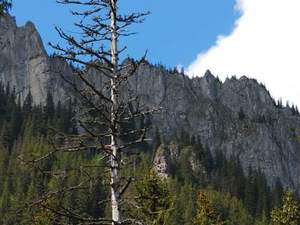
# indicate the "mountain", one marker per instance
pixel 237 117
pixel 24 63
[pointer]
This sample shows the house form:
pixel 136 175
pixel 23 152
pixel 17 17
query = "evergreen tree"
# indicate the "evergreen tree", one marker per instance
pixel 206 213
pixel 222 208
pixel 264 220
pixel 185 204
pixel 50 107
pixel 251 195
pixel 154 202
pixel 263 195
pixel 5 204
pixel 28 104
pixel 288 213
pixel 277 194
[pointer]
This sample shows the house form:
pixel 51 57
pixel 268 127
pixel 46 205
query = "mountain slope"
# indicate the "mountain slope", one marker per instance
pixel 24 63
pixel 237 117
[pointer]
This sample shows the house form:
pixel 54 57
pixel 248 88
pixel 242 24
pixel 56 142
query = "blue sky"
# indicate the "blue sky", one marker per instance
pixel 203 34
pixel 174 33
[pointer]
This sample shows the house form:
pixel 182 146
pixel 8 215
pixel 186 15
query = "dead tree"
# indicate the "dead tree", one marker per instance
pixel 106 107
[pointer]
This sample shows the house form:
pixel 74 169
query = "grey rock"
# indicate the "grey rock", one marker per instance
pixel 24 63
pixel 265 138
pixel 161 161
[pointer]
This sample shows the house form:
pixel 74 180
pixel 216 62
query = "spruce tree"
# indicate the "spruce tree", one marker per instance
pixel 288 213
pixel 154 202
pixel 50 107
pixel 206 212
pixel 28 104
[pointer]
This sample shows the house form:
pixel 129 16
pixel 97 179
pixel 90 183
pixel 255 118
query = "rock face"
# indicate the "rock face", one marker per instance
pixel 24 63
pixel 161 162
pixel 238 117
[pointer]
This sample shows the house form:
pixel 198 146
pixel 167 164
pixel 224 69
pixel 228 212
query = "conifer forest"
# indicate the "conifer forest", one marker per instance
pixel 97 137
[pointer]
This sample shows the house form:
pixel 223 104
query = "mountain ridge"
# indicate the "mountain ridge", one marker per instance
pixel 237 116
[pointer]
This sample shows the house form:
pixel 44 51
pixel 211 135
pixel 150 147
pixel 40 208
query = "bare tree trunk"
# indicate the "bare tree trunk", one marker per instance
pixel 115 180
pixel 104 28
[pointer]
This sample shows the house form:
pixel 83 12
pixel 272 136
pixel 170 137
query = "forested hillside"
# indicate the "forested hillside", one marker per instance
pixel 89 136
pixel 238 117
pixel 195 175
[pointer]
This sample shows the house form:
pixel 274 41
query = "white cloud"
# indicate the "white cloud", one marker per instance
pixel 265 44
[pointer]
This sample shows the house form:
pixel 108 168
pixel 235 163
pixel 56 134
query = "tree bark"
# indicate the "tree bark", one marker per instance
pixel 115 180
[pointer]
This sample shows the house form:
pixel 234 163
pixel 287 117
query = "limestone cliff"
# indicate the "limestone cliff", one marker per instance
pixel 238 116
pixel 24 63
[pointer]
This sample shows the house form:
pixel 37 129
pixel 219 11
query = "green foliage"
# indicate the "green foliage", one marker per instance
pixel 206 212
pixel 153 200
pixel 25 134
pixel 262 221
pixel 218 208
pixel 185 203
pixel 288 213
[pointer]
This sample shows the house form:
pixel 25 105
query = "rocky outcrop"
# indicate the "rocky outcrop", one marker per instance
pixel 266 137
pixel 24 63
pixel 176 160
pixel 238 117
pixel 161 162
